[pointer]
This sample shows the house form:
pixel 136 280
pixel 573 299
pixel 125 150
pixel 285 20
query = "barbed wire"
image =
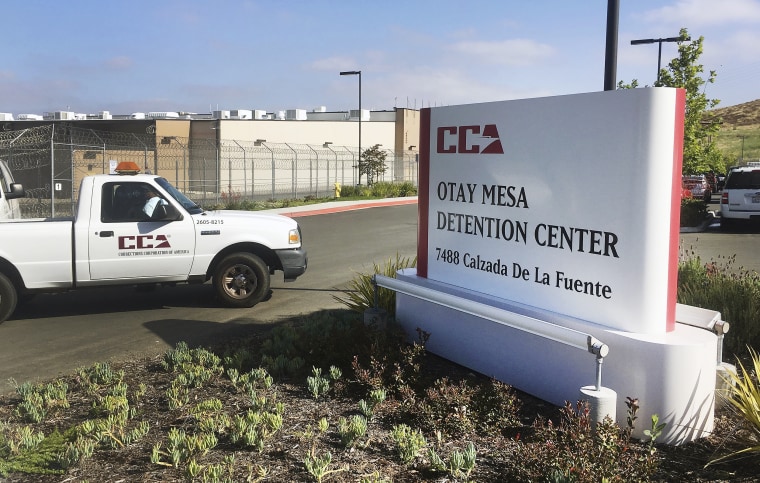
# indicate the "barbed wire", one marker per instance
pixel 50 161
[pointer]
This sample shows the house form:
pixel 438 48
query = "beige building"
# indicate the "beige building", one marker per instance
pixel 395 131
pixel 245 154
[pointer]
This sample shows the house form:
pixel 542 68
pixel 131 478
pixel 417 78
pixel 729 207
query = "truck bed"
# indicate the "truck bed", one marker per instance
pixel 41 250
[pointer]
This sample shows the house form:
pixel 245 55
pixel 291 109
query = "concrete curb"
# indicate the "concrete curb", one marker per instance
pixel 340 206
pixel 711 218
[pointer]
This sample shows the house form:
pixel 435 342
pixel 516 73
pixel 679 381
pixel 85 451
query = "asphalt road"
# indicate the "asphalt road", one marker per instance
pixel 54 334
pixel 57 333
pixel 741 242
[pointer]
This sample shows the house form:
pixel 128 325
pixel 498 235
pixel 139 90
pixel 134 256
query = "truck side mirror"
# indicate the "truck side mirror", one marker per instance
pixel 16 191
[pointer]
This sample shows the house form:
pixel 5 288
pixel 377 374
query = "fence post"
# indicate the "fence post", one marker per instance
pixel 311 182
pixel 327 145
pixel 293 166
pixel 245 176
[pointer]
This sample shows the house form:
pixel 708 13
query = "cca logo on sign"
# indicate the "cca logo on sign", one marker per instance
pixel 132 242
pixel 460 139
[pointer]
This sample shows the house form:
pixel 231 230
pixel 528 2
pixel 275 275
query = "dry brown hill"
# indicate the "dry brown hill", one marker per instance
pixel 745 114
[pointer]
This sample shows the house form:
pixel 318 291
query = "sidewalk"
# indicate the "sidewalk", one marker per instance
pixel 338 206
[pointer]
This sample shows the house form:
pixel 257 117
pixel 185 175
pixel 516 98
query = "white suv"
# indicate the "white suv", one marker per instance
pixel 740 199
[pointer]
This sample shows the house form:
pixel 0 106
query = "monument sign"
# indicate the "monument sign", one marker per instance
pixel 567 203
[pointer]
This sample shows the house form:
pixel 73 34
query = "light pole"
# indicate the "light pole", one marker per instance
pixel 659 53
pixel 610 51
pixel 359 73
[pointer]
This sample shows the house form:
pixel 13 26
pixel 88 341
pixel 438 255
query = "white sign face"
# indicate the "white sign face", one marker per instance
pixel 568 203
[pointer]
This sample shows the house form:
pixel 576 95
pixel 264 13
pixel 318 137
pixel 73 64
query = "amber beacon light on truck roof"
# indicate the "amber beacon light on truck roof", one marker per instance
pixel 127 168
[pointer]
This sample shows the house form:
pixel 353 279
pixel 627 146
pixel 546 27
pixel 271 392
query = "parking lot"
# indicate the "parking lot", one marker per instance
pixel 741 241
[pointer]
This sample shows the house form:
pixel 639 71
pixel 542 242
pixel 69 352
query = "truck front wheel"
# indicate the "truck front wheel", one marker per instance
pixel 242 280
pixel 8 298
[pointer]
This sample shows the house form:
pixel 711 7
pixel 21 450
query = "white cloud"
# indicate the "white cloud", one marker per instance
pixel 424 87
pixel 694 14
pixel 507 52
pixel 332 63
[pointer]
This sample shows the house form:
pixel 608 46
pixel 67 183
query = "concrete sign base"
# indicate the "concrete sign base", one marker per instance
pixel 672 374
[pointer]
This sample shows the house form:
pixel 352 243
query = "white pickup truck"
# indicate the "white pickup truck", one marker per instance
pixel 120 236
pixel 10 191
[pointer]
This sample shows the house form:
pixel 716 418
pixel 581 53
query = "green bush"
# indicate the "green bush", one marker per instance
pixel 349 191
pixel 456 409
pixel 381 189
pixel 744 396
pixel 384 189
pixel 576 450
pixel 735 293
pixel 693 211
pixel 360 295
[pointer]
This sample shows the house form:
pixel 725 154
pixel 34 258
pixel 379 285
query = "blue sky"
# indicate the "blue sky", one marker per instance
pixel 195 56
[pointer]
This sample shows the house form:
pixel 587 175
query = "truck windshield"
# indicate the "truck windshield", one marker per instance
pixel 186 202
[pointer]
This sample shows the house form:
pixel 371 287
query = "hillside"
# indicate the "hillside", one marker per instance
pixel 745 114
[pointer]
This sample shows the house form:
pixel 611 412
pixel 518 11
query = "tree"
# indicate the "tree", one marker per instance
pixel 372 163
pixel 699 151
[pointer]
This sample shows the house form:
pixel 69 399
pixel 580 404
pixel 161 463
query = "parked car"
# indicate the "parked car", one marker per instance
pixel 698 186
pixel 740 199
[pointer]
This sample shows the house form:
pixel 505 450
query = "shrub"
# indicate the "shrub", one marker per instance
pixel 409 442
pixel 576 450
pixel 693 211
pixel 460 463
pixel 744 397
pixel 459 408
pixel 717 285
pixel 447 408
pixel 360 295
pixel 392 364
pixel 351 429
pixel 407 188
pixel 384 189
pixel 350 191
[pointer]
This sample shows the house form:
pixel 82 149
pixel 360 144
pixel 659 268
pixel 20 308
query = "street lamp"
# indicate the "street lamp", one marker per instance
pixel 359 73
pixel 659 53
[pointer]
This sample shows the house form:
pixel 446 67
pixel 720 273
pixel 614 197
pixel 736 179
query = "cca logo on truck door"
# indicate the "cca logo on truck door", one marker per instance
pixel 132 242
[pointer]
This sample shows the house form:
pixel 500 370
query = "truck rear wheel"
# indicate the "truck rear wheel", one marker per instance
pixel 242 280
pixel 8 298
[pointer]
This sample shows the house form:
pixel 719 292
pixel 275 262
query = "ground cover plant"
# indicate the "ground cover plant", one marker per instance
pixel 324 397
pixel 237 201
pixel 719 284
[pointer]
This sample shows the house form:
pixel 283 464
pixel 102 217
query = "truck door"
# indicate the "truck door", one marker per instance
pixel 8 207
pixel 125 243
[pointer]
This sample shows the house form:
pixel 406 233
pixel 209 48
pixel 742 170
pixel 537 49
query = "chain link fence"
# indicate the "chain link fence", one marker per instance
pixel 51 160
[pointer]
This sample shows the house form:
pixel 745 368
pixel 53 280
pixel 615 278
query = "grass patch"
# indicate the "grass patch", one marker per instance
pixel 380 190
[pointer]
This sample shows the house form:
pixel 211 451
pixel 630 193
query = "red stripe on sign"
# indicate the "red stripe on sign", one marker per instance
pixel 675 210
pixel 423 194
